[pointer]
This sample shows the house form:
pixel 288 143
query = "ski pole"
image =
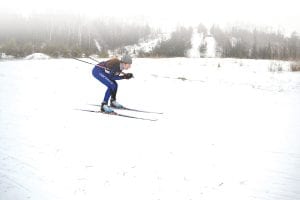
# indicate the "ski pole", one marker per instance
pixel 93 59
pixel 85 61
pixel 98 61
pixel 95 64
pixel 92 64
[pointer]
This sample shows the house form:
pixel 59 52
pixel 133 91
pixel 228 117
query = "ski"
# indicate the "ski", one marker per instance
pixel 132 109
pixel 138 110
pixel 118 114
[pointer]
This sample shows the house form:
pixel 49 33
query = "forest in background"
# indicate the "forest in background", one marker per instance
pixel 67 35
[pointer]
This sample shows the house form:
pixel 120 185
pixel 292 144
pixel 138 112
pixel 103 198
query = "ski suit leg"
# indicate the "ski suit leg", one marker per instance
pixel 114 92
pixel 111 85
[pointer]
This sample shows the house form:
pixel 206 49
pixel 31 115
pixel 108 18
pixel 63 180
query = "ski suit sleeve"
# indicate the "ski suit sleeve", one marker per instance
pixel 113 76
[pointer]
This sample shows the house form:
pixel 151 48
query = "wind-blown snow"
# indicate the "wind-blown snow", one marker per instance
pixel 230 130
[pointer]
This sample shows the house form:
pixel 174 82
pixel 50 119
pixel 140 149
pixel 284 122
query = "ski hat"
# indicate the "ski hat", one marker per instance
pixel 126 59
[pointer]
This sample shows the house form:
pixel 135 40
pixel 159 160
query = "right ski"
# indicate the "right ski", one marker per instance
pixel 118 114
pixel 131 109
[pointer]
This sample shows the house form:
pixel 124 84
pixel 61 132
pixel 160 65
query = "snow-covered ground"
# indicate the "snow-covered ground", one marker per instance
pixel 230 130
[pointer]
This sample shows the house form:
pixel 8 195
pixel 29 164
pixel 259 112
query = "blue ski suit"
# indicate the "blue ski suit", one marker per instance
pixel 108 75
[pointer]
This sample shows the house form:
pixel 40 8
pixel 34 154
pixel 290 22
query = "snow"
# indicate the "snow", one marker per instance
pixel 37 56
pixel 230 130
pixel 144 45
pixel 4 56
pixel 196 42
pixel 211 46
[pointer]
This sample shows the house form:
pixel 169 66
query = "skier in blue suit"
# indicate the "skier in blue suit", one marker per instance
pixel 108 72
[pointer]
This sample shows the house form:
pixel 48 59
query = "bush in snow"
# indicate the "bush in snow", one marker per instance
pixel 295 66
pixel 275 67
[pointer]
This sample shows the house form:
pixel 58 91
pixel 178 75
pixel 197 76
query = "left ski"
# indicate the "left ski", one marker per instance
pixel 137 110
pixel 120 115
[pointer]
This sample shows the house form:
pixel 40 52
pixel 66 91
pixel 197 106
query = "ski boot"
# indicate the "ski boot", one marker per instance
pixel 105 108
pixel 115 104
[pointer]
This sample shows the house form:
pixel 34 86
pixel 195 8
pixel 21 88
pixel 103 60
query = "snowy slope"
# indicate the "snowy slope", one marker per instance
pixel 196 42
pixel 211 46
pixel 227 132
pixel 144 45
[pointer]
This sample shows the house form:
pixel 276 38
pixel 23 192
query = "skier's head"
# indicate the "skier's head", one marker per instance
pixel 126 60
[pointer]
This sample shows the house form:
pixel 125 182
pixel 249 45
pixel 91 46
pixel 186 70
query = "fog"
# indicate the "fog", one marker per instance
pixel 68 28
pixel 168 13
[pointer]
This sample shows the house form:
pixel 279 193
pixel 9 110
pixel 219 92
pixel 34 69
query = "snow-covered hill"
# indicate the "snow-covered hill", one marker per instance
pixel 37 56
pixel 147 45
pixel 229 130
pixel 144 46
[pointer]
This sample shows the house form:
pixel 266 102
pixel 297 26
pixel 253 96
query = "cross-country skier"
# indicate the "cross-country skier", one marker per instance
pixel 107 72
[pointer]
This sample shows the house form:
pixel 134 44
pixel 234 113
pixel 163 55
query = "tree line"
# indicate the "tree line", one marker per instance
pixel 66 35
pixel 256 44
pixel 176 46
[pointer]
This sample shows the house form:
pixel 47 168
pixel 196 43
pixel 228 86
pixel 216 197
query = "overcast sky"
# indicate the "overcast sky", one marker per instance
pixel 279 14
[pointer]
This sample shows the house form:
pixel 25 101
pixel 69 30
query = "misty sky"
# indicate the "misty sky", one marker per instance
pixel 279 14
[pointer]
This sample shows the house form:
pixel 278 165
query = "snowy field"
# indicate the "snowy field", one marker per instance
pixel 227 132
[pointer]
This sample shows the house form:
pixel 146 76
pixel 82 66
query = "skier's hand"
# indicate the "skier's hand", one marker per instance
pixel 128 76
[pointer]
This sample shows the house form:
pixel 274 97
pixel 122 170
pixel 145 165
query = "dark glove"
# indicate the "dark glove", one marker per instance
pixel 128 76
